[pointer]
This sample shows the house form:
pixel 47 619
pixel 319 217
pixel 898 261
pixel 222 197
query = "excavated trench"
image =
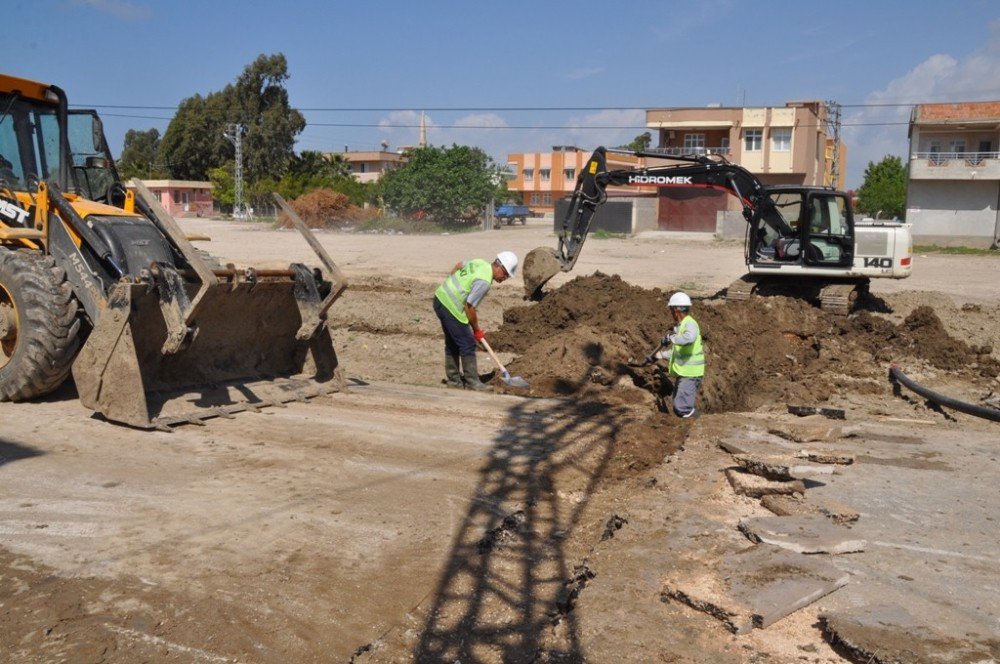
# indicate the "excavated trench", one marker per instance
pixel 579 340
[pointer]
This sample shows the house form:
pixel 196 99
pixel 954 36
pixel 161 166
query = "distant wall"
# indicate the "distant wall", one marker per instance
pixel 621 215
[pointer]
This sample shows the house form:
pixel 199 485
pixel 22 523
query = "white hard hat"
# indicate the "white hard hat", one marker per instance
pixel 509 261
pixel 679 299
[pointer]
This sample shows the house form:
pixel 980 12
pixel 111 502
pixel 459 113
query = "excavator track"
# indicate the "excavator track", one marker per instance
pixel 840 299
pixel 837 298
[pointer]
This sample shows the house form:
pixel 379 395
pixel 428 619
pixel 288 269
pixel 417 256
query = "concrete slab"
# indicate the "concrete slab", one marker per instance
pixel 885 634
pixel 780 467
pixel 800 506
pixel 756 587
pixel 814 428
pixel 802 534
pixel 832 457
pixel 748 484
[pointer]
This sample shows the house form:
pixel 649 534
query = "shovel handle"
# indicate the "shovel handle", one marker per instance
pixel 496 359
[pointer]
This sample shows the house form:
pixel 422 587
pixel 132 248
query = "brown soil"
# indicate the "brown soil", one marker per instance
pixel 581 339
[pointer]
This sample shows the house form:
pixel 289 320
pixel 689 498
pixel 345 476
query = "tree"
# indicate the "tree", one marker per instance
pixel 140 156
pixel 884 188
pixel 195 140
pixel 447 184
pixel 640 142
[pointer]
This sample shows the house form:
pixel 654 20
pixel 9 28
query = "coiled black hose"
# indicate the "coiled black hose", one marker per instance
pixel 898 377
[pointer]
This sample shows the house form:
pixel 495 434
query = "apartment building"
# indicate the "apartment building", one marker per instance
pixel 953 190
pixel 542 178
pixel 780 145
pixel 370 165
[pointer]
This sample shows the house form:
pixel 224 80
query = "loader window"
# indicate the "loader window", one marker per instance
pixel 91 162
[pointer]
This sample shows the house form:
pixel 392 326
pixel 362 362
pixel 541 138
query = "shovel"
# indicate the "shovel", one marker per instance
pixel 513 381
pixel 649 359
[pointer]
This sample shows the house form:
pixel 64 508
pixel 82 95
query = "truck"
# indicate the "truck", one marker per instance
pixel 98 280
pixel 510 213
pixel 801 240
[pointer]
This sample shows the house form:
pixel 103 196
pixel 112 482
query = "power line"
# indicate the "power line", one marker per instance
pixel 498 127
pixel 510 109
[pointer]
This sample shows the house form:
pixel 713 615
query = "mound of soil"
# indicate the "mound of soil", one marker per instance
pixel 323 208
pixel 581 338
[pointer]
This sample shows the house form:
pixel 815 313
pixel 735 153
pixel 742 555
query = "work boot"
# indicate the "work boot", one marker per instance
pixel 452 372
pixel 471 374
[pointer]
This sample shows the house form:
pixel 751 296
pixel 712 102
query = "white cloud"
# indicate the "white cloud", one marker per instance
pixel 874 132
pixel 122 9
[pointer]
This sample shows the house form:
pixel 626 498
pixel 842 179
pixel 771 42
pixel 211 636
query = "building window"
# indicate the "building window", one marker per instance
pixel 781 139
pixel 535 199
pixel 569 174
pixel 694 143
pixel 753 140
pixel 529 174
pixel 546 199
pixel 958 145
pixel 545 174
pixel 177 197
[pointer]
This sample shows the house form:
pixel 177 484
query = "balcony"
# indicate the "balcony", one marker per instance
pixel 955 166
pixel 683 152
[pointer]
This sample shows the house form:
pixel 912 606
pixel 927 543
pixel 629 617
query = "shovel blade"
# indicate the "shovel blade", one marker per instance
pixel 244 356
pixel 513 381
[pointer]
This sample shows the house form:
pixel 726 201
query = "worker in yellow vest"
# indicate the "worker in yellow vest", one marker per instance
pixel 455 303
pixel 686 355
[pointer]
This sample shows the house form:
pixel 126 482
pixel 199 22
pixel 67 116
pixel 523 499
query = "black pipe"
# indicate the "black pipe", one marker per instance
pixel 896 376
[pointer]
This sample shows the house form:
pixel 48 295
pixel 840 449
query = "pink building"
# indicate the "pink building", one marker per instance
pixel 183 198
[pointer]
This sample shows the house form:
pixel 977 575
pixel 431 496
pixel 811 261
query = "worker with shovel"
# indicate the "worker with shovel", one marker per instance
pixel 686 355
pixel 455 303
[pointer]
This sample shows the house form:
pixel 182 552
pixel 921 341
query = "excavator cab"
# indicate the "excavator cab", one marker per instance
pixel 808 225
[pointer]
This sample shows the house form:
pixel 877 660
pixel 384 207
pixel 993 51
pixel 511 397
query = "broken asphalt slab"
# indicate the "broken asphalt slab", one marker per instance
pixel 802 534
pixel 780 467
pixel 801 506
pixel 755 486
pixel 755 587
pixel 882 634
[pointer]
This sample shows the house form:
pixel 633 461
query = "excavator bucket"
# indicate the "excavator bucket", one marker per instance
pixel 244 355
pixel 540 265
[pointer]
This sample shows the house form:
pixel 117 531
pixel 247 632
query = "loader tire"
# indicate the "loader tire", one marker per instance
pixel 39 326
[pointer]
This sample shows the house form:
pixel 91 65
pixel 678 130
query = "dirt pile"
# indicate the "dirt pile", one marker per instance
pixel 580 339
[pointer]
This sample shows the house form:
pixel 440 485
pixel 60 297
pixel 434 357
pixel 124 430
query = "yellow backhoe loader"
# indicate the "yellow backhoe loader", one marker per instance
pixel 100 281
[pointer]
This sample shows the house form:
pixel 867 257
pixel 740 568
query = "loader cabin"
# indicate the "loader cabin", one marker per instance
pixel 37 129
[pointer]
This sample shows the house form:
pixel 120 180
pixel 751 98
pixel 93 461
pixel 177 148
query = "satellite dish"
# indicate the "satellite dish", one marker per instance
pixel 385 145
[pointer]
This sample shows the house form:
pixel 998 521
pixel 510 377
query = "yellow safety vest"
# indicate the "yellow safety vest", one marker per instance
pixel 688 360
pixel 455 290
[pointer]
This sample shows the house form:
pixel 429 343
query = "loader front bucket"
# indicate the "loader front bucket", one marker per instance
pixel 246 354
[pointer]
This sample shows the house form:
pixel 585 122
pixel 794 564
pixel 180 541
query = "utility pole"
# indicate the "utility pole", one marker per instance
pixel 234 134
pixel 833 131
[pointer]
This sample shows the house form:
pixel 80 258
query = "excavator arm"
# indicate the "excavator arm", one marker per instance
pixel 714 172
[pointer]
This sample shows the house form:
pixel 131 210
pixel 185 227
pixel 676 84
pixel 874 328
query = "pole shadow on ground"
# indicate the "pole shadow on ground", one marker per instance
pixel 509 585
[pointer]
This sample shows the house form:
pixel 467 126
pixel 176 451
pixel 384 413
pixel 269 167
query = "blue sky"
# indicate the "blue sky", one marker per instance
pixel 464 62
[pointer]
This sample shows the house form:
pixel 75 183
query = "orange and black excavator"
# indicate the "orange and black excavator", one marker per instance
pixel 99 281
pixel 800 240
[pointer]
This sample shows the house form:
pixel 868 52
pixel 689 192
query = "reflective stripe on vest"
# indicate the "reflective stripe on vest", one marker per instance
pixel 688 360
pixel 455 290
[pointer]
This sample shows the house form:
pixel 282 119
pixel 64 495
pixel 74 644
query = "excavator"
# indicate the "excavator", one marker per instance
pixel 800 240
pixel 98 280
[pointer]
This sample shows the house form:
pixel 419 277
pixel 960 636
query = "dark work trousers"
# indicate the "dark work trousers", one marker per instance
pixel 458 339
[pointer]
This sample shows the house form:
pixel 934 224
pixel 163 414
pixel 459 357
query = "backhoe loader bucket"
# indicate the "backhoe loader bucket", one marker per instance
pixel 245 354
